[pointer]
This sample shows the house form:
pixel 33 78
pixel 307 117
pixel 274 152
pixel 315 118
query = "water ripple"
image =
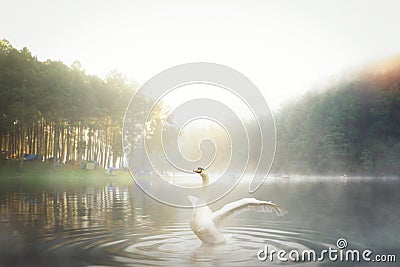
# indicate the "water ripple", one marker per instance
pixel 176 245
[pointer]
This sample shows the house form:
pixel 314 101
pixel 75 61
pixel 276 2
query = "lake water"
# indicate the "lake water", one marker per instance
pixel 120 226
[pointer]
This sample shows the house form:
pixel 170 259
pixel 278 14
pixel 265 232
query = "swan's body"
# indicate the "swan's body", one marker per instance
pixel 203 225
pixel 204 222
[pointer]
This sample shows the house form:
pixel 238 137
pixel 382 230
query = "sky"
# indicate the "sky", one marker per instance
pixel 284 47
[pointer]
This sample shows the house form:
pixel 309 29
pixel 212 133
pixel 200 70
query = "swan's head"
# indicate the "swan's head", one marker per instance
pixel 200 171
pixel 203 174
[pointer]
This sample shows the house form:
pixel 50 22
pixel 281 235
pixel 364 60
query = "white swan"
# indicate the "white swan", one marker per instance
pixel 204 222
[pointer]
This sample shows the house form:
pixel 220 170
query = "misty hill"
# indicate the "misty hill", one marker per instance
pixel 352 126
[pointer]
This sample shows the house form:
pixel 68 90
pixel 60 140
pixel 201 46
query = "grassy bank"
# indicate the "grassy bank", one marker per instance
pixel 41 175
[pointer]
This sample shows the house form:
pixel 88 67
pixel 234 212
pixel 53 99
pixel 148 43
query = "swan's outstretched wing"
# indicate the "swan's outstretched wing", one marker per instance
pixel 245 204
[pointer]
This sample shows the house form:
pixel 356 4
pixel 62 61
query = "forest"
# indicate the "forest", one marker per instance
pixel 349 126
pixel 57 112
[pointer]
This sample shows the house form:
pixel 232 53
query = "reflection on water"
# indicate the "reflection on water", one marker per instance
pixel 120 226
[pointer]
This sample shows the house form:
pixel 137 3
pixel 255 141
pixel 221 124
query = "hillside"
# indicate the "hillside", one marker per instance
pixel 351 127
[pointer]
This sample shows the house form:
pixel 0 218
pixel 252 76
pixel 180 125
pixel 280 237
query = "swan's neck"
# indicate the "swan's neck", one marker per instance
pixel 205 179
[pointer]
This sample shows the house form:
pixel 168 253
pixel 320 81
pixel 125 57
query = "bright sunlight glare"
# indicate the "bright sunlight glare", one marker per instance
pixel 284 47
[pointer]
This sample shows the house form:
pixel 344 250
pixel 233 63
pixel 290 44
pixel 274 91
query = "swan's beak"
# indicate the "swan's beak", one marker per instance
pixel 197 171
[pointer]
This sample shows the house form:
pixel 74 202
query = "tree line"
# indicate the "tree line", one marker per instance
pixel 350 127
pixel 59 112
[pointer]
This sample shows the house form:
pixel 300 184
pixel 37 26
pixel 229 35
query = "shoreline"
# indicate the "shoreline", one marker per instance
pixel 42 175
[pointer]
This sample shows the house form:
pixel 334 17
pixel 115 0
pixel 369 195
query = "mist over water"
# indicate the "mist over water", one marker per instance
pixel 121 226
